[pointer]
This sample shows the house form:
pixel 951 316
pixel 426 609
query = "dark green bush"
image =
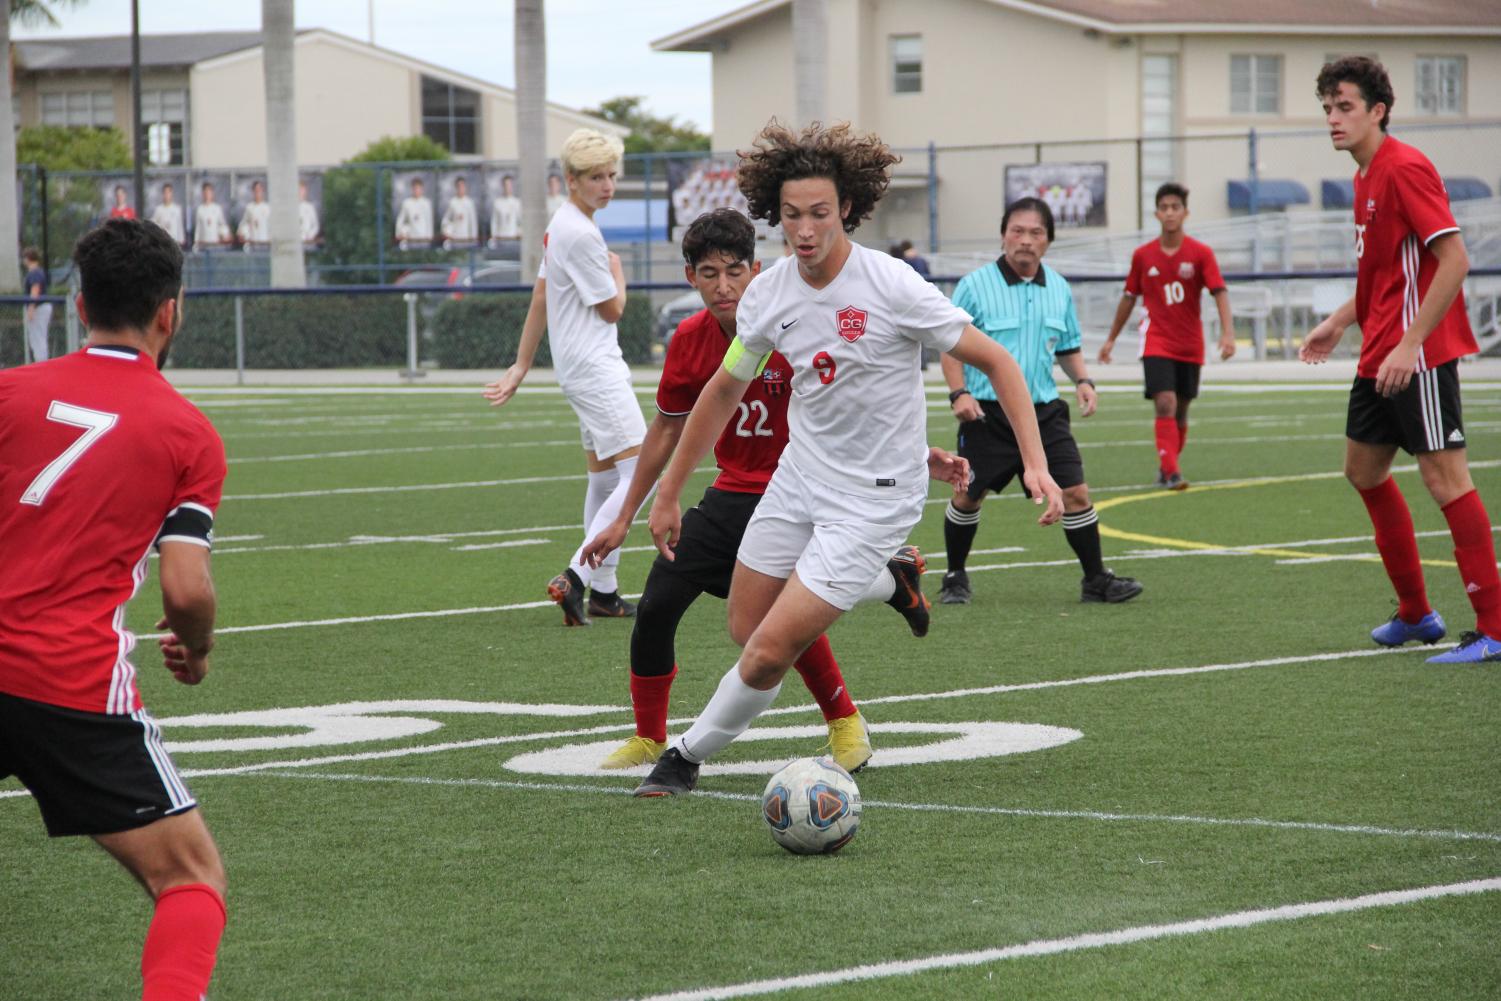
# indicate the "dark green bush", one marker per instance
pixel 482 330
pixel 294 332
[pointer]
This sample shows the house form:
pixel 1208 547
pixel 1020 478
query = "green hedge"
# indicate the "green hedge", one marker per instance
pixel 323 331
pixel 13 333
pixel 482 330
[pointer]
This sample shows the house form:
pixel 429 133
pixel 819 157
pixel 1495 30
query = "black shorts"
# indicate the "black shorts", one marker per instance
pixel 990 446
pixel 1424 417
pixel 1169 375
pixel 90 773
pixel 710 541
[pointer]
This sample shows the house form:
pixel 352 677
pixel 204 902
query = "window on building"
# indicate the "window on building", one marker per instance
pixel 94 108
pixel 906 64
pixel 164 117
pixel 1255 85
pixel 1441 85
pixel 450 115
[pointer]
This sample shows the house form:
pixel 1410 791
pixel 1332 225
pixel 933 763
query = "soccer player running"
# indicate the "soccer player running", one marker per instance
pixel 719 250
pixel 579 295
pixel 1027 308
pixel 100 461
pixel 1411 264
pixel 851 323
pixel 1171 271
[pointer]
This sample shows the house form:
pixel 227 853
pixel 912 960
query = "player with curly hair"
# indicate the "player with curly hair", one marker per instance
pixel 852 324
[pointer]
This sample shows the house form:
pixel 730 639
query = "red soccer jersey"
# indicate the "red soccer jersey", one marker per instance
pixel 748 450
pixel 1170 286
pixel 96 450
pixel 1400 206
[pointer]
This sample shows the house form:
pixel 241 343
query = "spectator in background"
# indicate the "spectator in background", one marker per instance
pixel 168 215
pixel 210 228
pixel 505 214
pixel 307 215
pixel 556 196
pixel 255 222
pixel 461 219
pixel 414 223
pixel 121 208
pixel 909 253
pixel 39 314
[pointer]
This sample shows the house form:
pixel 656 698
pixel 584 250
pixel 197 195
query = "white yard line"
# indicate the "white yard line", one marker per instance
pixel 407 450
pixel 1075 943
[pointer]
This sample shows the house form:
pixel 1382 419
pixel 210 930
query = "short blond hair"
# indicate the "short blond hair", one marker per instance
pixel 588 150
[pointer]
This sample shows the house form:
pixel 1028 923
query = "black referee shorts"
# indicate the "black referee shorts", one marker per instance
pixel 710 540
pixel 90 773
pixel 990 446
pixel 1424 417
pixel 1169 375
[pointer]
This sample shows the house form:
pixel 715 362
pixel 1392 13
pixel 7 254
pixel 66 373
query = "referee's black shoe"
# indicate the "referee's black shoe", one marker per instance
pixel 1106 587
pixel 955 588
pixel 568 591
pixel 672 775
pixel 907 567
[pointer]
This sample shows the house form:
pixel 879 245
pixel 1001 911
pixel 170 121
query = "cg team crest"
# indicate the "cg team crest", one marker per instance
pixel 851 323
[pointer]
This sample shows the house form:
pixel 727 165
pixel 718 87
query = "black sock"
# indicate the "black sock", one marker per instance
pixel 1082 529
pixel 959 528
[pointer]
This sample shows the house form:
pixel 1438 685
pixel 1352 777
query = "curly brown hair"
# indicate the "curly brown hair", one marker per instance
pixel 857 163
pixel 1366 74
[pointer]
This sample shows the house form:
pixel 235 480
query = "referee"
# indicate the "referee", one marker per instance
pixel 1027 307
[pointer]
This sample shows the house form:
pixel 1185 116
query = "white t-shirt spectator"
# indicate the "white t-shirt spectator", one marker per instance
pixel 576 267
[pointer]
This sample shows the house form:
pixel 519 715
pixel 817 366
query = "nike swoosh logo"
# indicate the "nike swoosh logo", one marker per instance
pixel 789 323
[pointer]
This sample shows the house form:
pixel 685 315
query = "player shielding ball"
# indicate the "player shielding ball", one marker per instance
pixel 719 253
pixel 1171 272
pixel 852 482
pixel 1411 266
pixel 101 460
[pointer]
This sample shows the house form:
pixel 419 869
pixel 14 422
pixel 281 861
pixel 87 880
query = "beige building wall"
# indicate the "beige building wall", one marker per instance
pixel 753 80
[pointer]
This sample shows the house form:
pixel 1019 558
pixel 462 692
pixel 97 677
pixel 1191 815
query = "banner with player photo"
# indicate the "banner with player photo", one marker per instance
pixel 208 211
pixel 698 186
pixel 310 208
pixel 251 210
pixel 415 226
pixel 503 204
pixel 1074 191
pixel 164 203
pixel 458 211
pixel 117 196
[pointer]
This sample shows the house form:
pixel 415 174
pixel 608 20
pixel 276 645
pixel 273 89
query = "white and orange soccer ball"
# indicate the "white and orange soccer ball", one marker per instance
pixel 812 806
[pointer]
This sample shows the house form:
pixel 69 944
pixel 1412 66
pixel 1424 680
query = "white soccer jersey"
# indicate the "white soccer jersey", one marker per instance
pixel 209 225
pixel 858 419
pixel 307 221
pixel 576 266
pixel 255 224
pixel 505 218
pixel 169 218
pixel 460 220
pixel 415 220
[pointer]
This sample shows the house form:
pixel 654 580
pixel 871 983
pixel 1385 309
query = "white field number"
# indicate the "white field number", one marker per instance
pixel 747 410
pixel 95 423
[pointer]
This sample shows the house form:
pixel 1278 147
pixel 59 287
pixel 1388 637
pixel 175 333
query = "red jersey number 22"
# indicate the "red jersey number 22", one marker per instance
pixel 95 424
pixel 823 363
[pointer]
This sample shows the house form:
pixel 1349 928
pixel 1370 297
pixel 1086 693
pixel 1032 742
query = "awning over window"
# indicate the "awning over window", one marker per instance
pixel 1337 194
pixel 1272 193
pixel 1462 189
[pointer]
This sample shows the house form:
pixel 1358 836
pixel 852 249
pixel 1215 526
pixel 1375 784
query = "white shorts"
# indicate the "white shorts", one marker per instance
pixel 610 420
pixel 837 542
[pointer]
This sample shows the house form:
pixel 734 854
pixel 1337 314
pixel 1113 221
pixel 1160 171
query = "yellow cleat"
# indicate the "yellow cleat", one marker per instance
pixel 639 751
pixel 849 742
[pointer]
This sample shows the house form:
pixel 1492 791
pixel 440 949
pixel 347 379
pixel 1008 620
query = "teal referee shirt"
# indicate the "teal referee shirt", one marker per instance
pixel 1034 320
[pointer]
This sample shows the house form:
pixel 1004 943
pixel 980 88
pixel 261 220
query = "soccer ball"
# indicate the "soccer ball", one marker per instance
pixel 812 806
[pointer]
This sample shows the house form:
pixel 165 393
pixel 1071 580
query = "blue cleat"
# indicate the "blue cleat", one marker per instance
pixel 1474 648
pixel 1428 629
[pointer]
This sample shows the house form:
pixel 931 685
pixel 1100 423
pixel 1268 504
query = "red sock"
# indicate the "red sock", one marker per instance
pixel 820 673
pixel 649 703
pixel 181 943
pixel 1167 444
pixel 1182 436
pixel 1475 552
pixel 1398 546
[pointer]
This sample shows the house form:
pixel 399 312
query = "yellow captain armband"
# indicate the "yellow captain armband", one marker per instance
pixel 741 363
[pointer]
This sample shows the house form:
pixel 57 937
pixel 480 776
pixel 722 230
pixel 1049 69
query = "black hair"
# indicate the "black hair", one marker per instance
pixel 1365 73
pixel 1170 189
pixel 127 268
pixel 1030 204
pixel 723 231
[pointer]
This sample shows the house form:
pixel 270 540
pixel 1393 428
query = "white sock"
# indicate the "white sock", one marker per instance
pixel 733 708
pixel 602 578
pixel 881 589
pixel 601 486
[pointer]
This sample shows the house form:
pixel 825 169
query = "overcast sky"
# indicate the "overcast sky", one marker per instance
pixel 596 49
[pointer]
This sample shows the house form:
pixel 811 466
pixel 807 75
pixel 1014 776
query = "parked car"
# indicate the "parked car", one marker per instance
pixel 675 311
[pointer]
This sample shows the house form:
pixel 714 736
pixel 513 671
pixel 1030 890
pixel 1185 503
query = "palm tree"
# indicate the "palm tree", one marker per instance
pixel 26 12
pixel 278 40
pixel 531 129
pixel 810 56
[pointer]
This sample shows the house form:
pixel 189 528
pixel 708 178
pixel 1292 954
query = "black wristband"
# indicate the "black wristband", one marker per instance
pixel 1086 382
pixel 954 396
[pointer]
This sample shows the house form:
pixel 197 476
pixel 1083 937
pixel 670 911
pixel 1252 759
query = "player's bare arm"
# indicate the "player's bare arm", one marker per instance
pixel 1073 367
pixel 656 449
pixel 1122 315
pixel 1227 323
pixel 964 406
pixel 974 348
pixel 715 406
pixel 611 310
pixel 1324 338
pixel 1453 265
pixel 189 603
pixel 505 387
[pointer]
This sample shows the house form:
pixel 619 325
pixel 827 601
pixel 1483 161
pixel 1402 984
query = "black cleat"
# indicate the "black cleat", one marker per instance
pixel 568 591
pixel 1106 587
pixel 610 605
pixel 907 567
pixel 1174 481
pixel 672 775
pixel 1161 480
pixel 955 588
